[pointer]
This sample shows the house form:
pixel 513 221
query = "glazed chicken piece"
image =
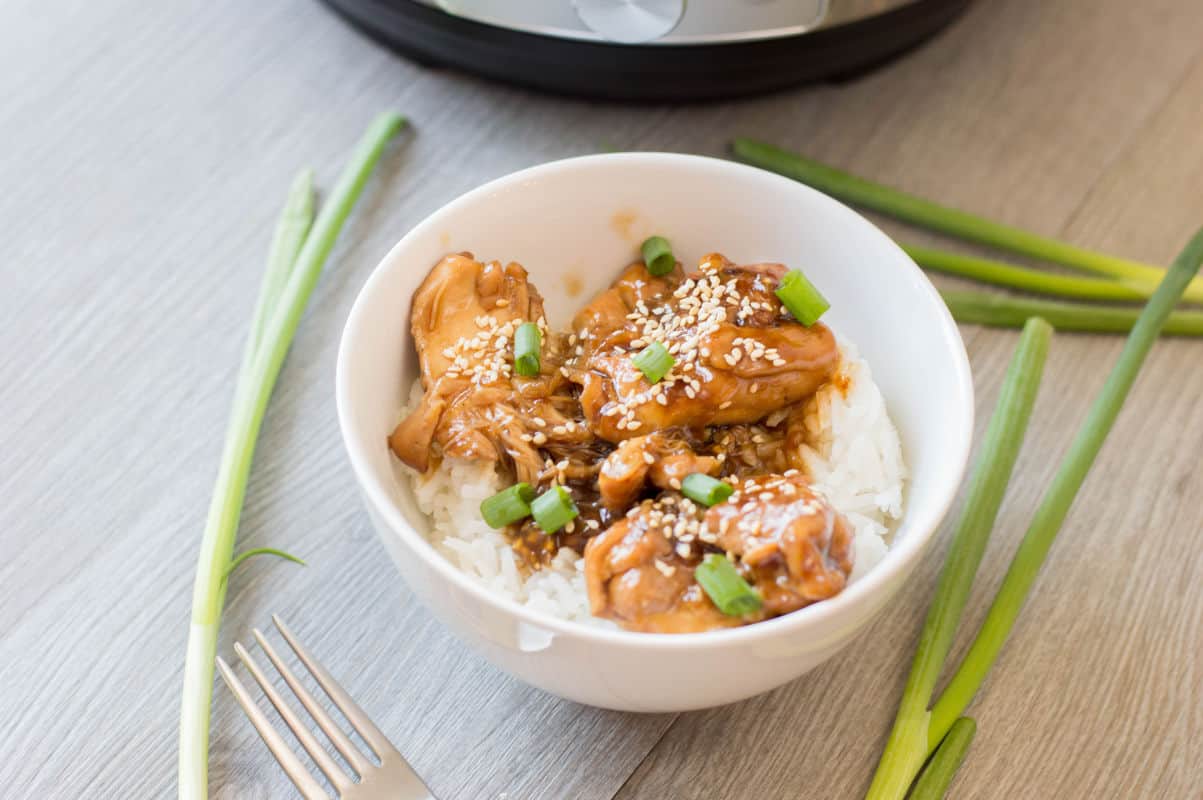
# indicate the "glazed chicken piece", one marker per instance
pixel 634 288
pixel 661 458
pixel 636 577
pixel 463 319
pixel 739 355
pixel 792 546
pixel 788 542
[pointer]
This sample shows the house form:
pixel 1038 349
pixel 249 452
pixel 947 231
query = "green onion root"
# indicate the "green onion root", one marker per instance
pixel 906 749
pixel 999 311
pixel 1025 566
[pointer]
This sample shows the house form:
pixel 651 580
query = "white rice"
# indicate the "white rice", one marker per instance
pixel 855 459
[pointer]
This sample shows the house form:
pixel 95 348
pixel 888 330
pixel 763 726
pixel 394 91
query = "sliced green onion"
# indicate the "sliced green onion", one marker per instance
pixel 704 489
pixel 553 509
pixel 654 361
pixel 801 298
pixel 508 505
pixel 658 255
pixel 726 587
pixel 937 776
pixel 528 343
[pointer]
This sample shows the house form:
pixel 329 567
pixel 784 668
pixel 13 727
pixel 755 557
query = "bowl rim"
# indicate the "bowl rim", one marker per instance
pixel 898 556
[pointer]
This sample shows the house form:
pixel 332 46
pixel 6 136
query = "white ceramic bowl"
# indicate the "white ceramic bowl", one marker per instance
pixel 574 224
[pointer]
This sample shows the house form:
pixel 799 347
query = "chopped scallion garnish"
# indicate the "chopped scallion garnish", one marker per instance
pixel 724 585
pixel 704 489
pixel 528 342
pixel 654 361
pixel 553 509
pixel 658 255
pixel 801 298
pixel 508 505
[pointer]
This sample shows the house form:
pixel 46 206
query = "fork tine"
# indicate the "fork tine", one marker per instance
pixel 312 746
pixel 350 709
pixel 309 788
pixel 341 742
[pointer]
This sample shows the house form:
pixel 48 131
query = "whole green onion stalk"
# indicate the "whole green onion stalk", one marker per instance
pixel 906 749
pixel 1001 311
pixel 1028 280
pixel 297 255
pixel 1059 496
pixel 924 213
pixel 937 776
pixel 918 732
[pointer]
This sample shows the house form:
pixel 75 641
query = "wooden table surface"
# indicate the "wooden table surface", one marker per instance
pixel 146 150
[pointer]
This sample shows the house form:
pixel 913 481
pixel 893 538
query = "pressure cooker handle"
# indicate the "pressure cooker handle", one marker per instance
pixel 630 21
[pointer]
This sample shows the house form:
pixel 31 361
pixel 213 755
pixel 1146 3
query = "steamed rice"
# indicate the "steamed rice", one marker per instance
pixel 854 458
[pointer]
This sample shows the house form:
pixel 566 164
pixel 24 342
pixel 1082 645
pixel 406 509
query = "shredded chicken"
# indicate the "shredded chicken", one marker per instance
pixel 463 320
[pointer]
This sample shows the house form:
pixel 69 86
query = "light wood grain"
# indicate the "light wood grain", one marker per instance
pixel 146 149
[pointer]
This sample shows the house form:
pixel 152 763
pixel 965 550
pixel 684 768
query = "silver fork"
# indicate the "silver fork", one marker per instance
pixel 391 779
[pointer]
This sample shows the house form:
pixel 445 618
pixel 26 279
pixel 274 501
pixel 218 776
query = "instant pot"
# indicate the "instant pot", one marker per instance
pixel 652 49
